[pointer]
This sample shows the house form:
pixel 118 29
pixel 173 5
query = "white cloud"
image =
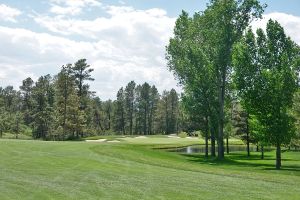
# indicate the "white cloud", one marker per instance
pixel 8 13
pixel 71 7
pixel 128 44
pixel 290 23
pixel 124 20
pixel 118 55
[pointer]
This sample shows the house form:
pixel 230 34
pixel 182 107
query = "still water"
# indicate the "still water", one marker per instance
pixel 201 149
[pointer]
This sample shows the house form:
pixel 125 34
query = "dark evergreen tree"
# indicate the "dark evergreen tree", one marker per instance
pixel 26 94
pixel 129 105
pixel 119 112
pixel 42 112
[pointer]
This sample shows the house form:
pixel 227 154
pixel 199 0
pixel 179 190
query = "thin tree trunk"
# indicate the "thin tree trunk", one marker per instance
pixel 65 108
pixel 123 123
pixel 206 144
pixel 213 145
pixel 131 118
pixel 136 126
pixel 262 152
pixel 248 146
pixel 206 137
pixel 109 120
pixel 167 116
pixel 247 132
pixel 145 121
pixel 221 115
pixel 278 156
pixel 227 145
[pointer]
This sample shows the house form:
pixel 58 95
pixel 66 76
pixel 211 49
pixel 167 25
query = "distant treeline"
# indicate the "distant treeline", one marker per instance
pixel 63 107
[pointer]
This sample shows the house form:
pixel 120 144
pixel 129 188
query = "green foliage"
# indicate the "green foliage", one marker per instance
pixel 82 72
pixel 26 95
pixel 199 54
pixel 266 77
pixel 119 112
pixel 69 118
pixel 129 101
pixel 295 112
pixel 42 113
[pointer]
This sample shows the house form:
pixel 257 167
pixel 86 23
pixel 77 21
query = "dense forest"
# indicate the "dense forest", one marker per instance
pixel 63 107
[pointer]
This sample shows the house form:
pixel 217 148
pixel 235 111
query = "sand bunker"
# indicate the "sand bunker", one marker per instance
pixel 140 137
pixel 100 140
pixel 114 141
pixel 172 136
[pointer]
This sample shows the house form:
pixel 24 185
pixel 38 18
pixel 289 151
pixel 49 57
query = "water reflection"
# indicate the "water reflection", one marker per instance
pixel 201 149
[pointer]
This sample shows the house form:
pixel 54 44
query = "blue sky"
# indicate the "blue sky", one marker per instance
pixel 123 40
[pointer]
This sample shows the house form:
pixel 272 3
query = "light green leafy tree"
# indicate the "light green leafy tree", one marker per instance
pixel 266 70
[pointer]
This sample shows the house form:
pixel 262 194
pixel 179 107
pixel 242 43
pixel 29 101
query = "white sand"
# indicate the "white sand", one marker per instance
pixel 172 136
pixel 140 137
pixel 100 140
pixel 113 141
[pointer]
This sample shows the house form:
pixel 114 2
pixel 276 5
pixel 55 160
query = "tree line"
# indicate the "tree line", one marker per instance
pixel 140 109
pixel 63 107
pixel 234 79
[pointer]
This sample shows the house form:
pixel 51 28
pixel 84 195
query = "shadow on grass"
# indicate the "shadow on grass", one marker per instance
pixel 241 160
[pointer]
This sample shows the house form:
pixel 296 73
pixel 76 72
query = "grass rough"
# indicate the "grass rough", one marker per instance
pixel 133 169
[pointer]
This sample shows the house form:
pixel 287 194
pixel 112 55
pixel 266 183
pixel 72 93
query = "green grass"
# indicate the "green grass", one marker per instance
pixel 132 169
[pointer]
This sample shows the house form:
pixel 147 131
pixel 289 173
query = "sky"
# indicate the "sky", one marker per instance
pixel 122 40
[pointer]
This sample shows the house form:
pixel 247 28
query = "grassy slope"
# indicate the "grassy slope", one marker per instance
pixel 132 170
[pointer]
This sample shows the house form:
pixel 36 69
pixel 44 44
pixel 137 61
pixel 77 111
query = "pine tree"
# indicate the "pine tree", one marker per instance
pixel 70 119
pixel 153 104
pixel 119 112
pixel 42 112
pixel 26 93
pixel 82 72
pixel 129 105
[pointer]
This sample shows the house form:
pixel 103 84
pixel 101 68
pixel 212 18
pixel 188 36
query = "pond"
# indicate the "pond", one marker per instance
pixel 201 149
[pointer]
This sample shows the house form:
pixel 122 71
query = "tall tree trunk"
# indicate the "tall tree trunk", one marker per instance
pixel 123 122
pixel 221 115
pixel 109 117
pixel 213 144
pixel 247 132
pixel 136 126
pixel 206 144
pixel 206 137
pixel 248 145
pixel 278 156
pixel 227 145
pixel 167 117
pixel 145 121
pixel 262 152
pixel 65 108
pixel 131 119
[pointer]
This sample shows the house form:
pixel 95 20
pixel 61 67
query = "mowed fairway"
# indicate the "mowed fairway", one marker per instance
pixel 132 169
